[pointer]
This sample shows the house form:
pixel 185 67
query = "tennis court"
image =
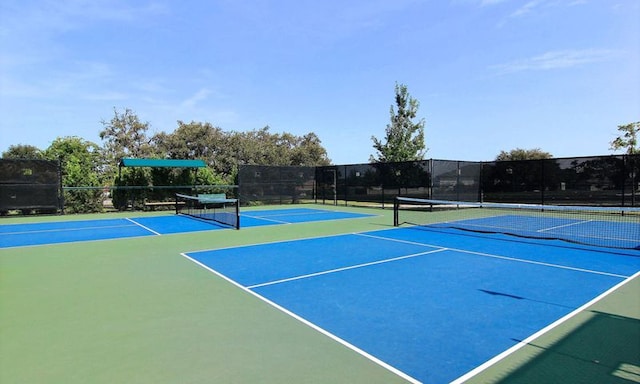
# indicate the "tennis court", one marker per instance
pixel 432 305
pixel 342 297
pixel 17 235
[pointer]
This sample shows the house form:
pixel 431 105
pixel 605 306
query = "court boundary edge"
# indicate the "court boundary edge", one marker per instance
pixel 496 359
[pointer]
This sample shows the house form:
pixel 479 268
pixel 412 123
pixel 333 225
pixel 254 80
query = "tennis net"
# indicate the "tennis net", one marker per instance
pixel 210 207
pixel 611 227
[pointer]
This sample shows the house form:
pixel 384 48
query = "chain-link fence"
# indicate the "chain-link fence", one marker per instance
pixel 276 185
pixel 35 185
pixel 595 180
pixel 30 185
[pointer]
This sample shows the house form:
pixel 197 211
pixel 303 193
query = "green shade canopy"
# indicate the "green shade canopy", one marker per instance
pixel 162 163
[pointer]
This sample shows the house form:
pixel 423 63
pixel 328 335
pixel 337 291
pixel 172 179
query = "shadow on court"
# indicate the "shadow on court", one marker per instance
pixel 604 349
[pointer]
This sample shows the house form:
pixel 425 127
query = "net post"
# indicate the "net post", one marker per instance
pixel 396 207
pixel 237 213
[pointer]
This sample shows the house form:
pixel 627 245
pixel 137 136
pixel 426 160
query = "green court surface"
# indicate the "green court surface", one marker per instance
pixel 134 310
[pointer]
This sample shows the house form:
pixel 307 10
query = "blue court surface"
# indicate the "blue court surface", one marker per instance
pixel 18 235
pixel 430 305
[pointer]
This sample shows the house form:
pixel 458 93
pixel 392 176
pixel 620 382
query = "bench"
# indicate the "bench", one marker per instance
pixel 212 196
pixel 153 204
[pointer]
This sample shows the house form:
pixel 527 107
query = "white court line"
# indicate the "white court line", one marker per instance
pixel 264 218
pixel 315 212
pixel 344 268
pixel 65 229
pixel 541 332
pixel 144 227
pixel 506 258
pixel 565 225
pixel 310 324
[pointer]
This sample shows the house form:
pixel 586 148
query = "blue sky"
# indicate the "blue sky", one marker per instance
pixel 490 75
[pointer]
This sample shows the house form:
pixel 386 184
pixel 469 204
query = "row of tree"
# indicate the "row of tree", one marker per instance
pixel 87 164
pixel 126 136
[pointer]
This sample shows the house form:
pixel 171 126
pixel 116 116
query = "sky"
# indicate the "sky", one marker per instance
pixel 490 75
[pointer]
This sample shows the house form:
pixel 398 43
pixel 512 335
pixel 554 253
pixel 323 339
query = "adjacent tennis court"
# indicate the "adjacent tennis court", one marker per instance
pixel 17 235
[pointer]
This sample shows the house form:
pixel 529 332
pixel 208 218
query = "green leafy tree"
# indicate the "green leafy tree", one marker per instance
pixel 81 162
pixel 131 177
pixel 404 139
pixel 628 139
pixel 523 154
pixel 261 147
pixel 197 140
pixel 125 136
pixel 193 140
pixel 309 151
pixel 23 151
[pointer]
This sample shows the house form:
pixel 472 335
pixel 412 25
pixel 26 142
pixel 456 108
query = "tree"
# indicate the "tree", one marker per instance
pixel 193 140
pixel 261 147
pixel 22 151
pixel 523 154
pixel 309 151
pixel 404 140
pixel 81 163
pixel 125 136
pixel 629 138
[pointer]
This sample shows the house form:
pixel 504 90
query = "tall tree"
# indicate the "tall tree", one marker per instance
pixel 523 154
pixel 629 138
pixel 404 139
pixel 125 136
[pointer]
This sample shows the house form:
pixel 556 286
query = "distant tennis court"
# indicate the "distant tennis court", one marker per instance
pixel 431 305
pixel 18 235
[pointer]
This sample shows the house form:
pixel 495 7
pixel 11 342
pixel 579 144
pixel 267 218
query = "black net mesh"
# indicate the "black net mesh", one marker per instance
pixel 376 183
pixel 597 180
pixel 276 185
pixel 29 185
pixel 456 180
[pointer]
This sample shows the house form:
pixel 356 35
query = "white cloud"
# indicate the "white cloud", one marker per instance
pixel 526 9
pixel 534 5
pixel 557 60
pixel 191 102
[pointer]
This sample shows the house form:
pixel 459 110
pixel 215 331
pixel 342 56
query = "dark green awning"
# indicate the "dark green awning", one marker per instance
pixel 162 163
